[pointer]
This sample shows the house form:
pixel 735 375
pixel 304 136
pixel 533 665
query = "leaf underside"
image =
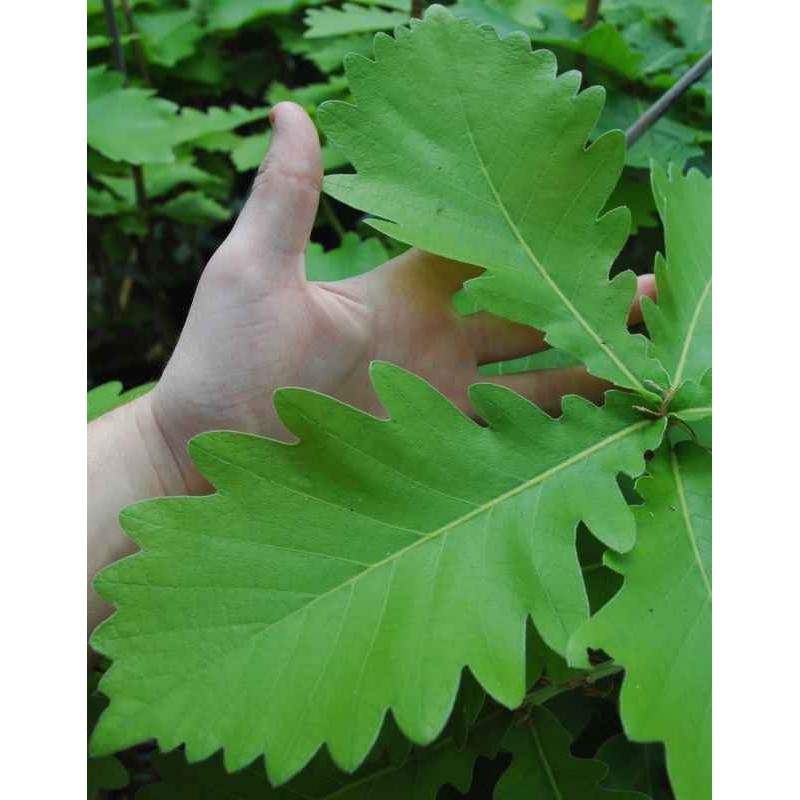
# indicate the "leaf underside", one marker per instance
pixel 499 177
pixel 659 625
pixel 680 324
pixel 359 571
pixel 415 776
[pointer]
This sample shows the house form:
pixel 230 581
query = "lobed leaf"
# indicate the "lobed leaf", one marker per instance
pixel 193 208
pixel 225 15
pixel 353 257
pixel 350 18
pixel 168 36
pixel 543 767
pixel 109 396
pixel 659 625
pixel 160 179
pixel 128 124
pixel 417 776
pixel 635 766
pixel 359 571
pixel 499 177
pixel 680 324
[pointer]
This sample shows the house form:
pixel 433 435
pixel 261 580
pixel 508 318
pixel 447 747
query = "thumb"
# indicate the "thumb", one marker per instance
pixel 275 224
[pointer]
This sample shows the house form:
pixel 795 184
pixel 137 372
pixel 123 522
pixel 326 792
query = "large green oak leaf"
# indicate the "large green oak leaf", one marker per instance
pixel 359 571
pixel 471 147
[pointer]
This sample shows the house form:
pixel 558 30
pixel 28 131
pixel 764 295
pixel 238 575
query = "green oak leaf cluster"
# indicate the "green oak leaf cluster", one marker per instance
pixel 424 604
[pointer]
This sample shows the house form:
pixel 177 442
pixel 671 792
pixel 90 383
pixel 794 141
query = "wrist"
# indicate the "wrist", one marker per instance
pixel 167 446
pixel 171 476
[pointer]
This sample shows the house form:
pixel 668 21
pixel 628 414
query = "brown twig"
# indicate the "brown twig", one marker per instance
pixel 416 8
pixel 141 60
pixel 113 30
pixel 589 21
pixel 543 694
pixel 662 105
pixel 144 249
pixel 590 15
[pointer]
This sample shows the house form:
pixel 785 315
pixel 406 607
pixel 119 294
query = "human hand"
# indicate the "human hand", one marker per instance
pixel 257 324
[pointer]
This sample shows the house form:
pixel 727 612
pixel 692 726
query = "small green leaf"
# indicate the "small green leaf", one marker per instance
pixel 128 124
pixel 249 151
pixel 603 44
pixel 639 767
pixel 193 208
pixel 104 773
pixel 161 179
pixel 110 395
pixel 350 18
pixel 197 125
pixel 692 405
pixel 225 15
pixel 308 96
pixel 328 54
pixel 692 22
pixel 100 203
pixel 168 36
pixel 353 257
pixel 543 767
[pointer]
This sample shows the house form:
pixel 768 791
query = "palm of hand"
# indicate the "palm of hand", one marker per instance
pixel 245 337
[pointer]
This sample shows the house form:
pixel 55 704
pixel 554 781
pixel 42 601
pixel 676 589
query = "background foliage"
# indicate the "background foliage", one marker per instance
pixel 173 144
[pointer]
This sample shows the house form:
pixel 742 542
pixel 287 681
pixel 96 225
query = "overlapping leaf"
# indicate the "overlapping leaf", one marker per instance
pixel 106 772
pixel 359 571
pixel 352 257
pixel 128 124
pixel 131 124
pixel 193 125
pixel 223 15
pixel 160 179
pixel 499 177
pixel 169 36
pixel 109 396
pixel 659 625
pixel 193 208
pixel 635 766
pixel 327 54
pixel 680 325
pixel 417 776
pixel 543 767
pixel 350 18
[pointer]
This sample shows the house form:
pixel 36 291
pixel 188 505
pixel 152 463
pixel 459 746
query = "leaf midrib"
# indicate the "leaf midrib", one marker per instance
pixel 687 520
pixel 690 333
pixel 548 770
pixel 478 510
pixel 566 302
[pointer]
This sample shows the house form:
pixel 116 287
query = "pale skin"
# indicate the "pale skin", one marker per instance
pixel 256 324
